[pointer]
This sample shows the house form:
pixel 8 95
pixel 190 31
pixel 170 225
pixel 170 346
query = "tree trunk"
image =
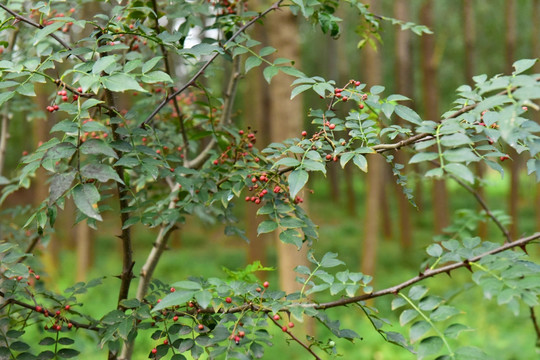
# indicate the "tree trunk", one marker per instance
pixel 431 106
pixel 469 37
pixel 374 185
pixel 536 54
pixel 257 116
pixel 404 86
pixel 510 46
pixel 286 119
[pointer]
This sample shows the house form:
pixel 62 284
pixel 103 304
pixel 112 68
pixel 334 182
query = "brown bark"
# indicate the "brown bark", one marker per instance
pixel 404 86
pixel 536 53
pixel 374 186
pixel 431 106
pixel 514 166
pixel 286 119
pixel 469 37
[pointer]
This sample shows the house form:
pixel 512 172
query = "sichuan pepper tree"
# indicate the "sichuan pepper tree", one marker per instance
pixel 175 152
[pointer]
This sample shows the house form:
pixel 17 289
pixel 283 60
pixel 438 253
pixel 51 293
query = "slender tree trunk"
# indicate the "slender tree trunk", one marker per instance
pixel 469 37
pixel 374 186
pixel 510 46
pixel 257 116
pixel 536 53
pixel 286 119
pixel 431 106
pixel 404 86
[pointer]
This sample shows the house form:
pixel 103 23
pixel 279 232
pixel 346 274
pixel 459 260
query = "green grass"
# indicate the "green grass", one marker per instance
pixel 203 250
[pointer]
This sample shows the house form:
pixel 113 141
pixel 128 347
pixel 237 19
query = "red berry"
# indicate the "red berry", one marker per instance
pixel 304 133
pixel 19 278
pixel 158 151
pixel 277 317
pixel 228 300
pixel 75 97
pixel 291 324
pixel 38 277
pixel 39 308
pixel 361 106
pixel 58 327
pixel 67 307
pixel 241 132
pixel 248 198
pixel 257 201
pixel 79 89
pixel 158 301
pixel 284 328
pixel 237 339
pixel 254 179
pixel 357 83
pixel 173 289
pixel 175 318
pixel 266 284
pixel 165 342
pixel 345 98
pixel 70 325
pixel 65 98
pixel 201 326
pixel 216 162
pixel 332 126
pixel 241 334
pixel 258 289
pixel 57 313
pixel 328 156
pixel 190 304
pixel 154 351
pixel 277 189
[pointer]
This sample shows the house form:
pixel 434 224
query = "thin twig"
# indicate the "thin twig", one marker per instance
pixel 535 324
pixel 39 26
pixel 294 338
pixel 191 81
pixel 50 311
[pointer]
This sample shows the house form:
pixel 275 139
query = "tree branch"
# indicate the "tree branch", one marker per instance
pixel 191 81
pixel 427 274
pixel 535 324
pixel 39 26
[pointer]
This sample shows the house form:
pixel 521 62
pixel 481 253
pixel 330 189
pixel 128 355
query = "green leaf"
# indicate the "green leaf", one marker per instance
pixel 460 171
pixel 97 146
pixel 418 329
pixel 68 353
pixel 269 72
pixel 398 302
pixel 297 90
pixel 179 297
pixel 456 139
pixel 344 159
pixel 101 172
pixel 423 156
pixel 266 227
pixel 443 312
pixel 203 298
pixel 407 316
pixel 523 65
pixel 187 284
pixel 377 89
pixel 251 62
pixel 121 83
pixel 434 250
pixel 150 64
pixel 60 183
pixel 62 150
pixel 46 31
pixel 460 155
pixel 265 51
pixel 86 197
pixel 297 179
pixel 417 291
pixel 330 260
pixel 361 162
pixel 287 161
pixel 104 63
pixel 429 346
pixel 156 77
pixel 407 114
pixel 455 329
pixel 291 236
pixel 6 96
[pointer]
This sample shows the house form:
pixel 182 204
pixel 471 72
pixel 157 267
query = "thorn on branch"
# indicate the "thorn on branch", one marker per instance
pixel 467 265
pixel 524 249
